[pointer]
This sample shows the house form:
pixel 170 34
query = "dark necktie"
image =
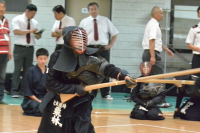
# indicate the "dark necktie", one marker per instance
pixel 96 38
pixel 59 28
pixel 28 36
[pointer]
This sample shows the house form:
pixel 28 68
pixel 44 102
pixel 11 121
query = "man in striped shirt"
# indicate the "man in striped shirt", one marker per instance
pixel 5 48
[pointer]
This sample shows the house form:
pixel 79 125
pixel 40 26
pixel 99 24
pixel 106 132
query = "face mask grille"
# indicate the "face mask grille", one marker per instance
pixel 145 68
pixel 79 40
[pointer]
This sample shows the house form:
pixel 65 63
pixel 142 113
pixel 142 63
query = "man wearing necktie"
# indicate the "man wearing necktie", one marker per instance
pixel 24 27
pixel 98 29
pixel 152 43
pixel 62 21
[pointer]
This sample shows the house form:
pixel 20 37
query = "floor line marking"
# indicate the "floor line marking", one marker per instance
pixel 148 126
pixel 118 126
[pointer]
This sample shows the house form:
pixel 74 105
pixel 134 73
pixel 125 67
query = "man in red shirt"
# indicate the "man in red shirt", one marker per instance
pixel 5 48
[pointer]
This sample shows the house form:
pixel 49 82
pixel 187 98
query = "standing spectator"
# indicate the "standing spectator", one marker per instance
pixel 62 21
pixel 152 42
pixel 5 48
pixel 153 45
pixel 98 29
pixel 193 41
pixel 34 85
pixel 24 27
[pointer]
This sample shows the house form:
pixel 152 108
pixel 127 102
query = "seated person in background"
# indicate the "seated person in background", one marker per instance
pixel 147 96
pixel 34 86
pixel 190 110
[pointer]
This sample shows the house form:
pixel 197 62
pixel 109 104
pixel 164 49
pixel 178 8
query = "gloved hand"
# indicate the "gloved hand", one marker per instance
pixel 80 90
pixel 176 115
pixel 130 83
pixel 149 104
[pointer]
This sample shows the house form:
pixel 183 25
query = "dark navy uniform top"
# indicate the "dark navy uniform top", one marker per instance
pixel 35 82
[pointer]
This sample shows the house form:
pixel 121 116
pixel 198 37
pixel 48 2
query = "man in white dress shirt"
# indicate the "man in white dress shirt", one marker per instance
pixel 98 29
pixel 62 21
pixel 153 45
pixel 24 27
pixel 152 42
pixel 193 41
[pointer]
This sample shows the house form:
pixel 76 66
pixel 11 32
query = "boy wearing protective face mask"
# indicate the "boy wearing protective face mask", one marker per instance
pixel 147 96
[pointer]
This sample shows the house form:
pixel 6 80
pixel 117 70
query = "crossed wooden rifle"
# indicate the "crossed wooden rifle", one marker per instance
pixel 149 79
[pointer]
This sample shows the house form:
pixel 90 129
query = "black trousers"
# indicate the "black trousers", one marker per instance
pixel 196 63
pixel 105 54
pixel 31 107
pixel 3 64
pixel 23 58
pixel 158 67
pixel 140 113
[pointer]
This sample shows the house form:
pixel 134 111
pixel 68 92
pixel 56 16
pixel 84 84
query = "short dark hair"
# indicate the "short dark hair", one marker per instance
pixel 198 10
pixel 91 4
pixel 31 7
pixel 2 1
pixel 42 51
pixel 59 8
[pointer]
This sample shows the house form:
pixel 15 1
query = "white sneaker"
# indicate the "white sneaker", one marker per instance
pixel 15 96
pixel 108 97
pixel 164 105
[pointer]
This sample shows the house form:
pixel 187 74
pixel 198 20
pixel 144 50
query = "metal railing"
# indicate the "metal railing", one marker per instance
pixel 167 28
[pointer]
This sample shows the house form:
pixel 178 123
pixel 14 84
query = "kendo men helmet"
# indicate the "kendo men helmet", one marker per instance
pixel 75 38
pixel 145 68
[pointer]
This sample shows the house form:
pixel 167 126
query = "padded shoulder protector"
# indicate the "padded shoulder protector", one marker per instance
pixel 92 72
pixel 91 51
pixel 103 65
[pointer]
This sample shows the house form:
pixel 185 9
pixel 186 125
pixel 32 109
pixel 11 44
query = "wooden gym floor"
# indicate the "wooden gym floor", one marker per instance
pixel 108 120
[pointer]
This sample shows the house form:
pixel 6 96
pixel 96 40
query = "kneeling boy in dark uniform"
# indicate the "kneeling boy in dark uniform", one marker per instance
pixel 34 85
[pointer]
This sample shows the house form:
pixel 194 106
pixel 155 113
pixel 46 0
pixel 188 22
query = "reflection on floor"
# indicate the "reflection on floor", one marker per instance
pixel 100 103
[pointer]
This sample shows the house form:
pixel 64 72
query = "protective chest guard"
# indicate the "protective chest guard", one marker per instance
pixel 77 61
pixel 150 90
pixel 90 69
